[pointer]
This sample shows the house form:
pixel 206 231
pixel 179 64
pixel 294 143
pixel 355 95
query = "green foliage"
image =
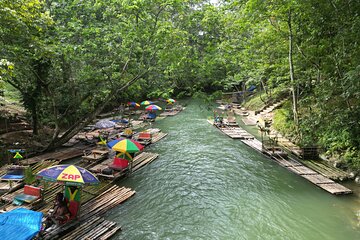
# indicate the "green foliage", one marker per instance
pixel 256 102
pixel 282 121
pixel 352 157
pixel 29 176
pixel 207 100
pixel 68 60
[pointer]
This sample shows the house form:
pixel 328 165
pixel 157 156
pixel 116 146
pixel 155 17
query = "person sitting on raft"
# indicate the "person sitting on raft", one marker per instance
pixel 60 213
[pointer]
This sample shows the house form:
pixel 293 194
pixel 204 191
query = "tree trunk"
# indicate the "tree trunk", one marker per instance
pixel 291 68
pixel 81 123
pixel 34 118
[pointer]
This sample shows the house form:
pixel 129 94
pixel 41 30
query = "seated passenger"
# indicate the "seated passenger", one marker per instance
pixel 60 213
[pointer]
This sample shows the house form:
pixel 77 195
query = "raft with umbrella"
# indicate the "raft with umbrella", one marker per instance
pixel 125 160
pixel 153 107
pixel 133 104
pixel 170 109
pixel 170 101
pixel 73 178
pixel 146 102
pixel 91 224
pixel 151 112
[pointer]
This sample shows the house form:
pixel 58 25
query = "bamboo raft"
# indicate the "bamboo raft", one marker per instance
pixel 139 161
pixel 326 170
pixel 9 186
pixel 170 113
pixel 136 124
pixel 320 166
pixel 233 131
pixel 6 187
pixel 50 192
pixel 95 155
pixel 298 168
pixel 94 228
pixel 9 196
pixel 61 155
pixel 155 133
pixel 158 137
pixel 143 159
pixel 286 143
pixel 90 224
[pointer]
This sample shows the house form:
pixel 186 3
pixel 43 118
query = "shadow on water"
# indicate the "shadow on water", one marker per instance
pixel 205 185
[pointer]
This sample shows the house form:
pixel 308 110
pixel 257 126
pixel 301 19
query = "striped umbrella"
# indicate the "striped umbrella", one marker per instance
pixel 68 175
pixel 170 100
pixel 145 103
pixel 133 104
pixel 125 145
pixel 153 108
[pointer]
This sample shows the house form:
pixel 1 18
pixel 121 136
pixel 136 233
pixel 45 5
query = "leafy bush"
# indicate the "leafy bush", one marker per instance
pixel 29 176
pixel 256 102
pixel 283 121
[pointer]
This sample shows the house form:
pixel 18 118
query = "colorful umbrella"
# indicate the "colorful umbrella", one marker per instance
pixel 68 174
pixel 125 145
pixel 145 103
pixel 133 104
pixel 153 107
pixel 170 100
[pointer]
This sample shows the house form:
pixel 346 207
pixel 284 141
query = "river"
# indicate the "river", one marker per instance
pixel 205 185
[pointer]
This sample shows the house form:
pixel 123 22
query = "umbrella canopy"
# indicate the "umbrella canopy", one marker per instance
pixel 104 124
pixel 170 100
pixel 125 145
pixel 153 107
pixel 133 104
pixel 145 103
pixel 68 174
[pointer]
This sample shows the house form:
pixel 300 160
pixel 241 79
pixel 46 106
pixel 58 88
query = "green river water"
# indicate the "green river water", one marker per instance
pixel 205 185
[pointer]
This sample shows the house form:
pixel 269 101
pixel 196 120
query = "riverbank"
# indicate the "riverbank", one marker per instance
pixel 313 157
pixel 90 194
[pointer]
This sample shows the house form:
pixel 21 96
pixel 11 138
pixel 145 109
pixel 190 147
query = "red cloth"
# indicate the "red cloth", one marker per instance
pixel 119 164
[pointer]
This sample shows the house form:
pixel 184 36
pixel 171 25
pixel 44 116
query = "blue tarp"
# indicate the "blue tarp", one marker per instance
pixel 14 174
pixel 12 177
pixel 151 116
pixel 251 88
pixel 19 224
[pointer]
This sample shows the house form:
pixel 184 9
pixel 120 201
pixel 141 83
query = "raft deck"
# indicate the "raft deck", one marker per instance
pixel 95 155
pixel 94 228
pixel 139 161
pixel 60 155
pixel 158 137
pixel 90 224
pixel 233 131
pixel 170 113
pixel 7 187
pixel 298 168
